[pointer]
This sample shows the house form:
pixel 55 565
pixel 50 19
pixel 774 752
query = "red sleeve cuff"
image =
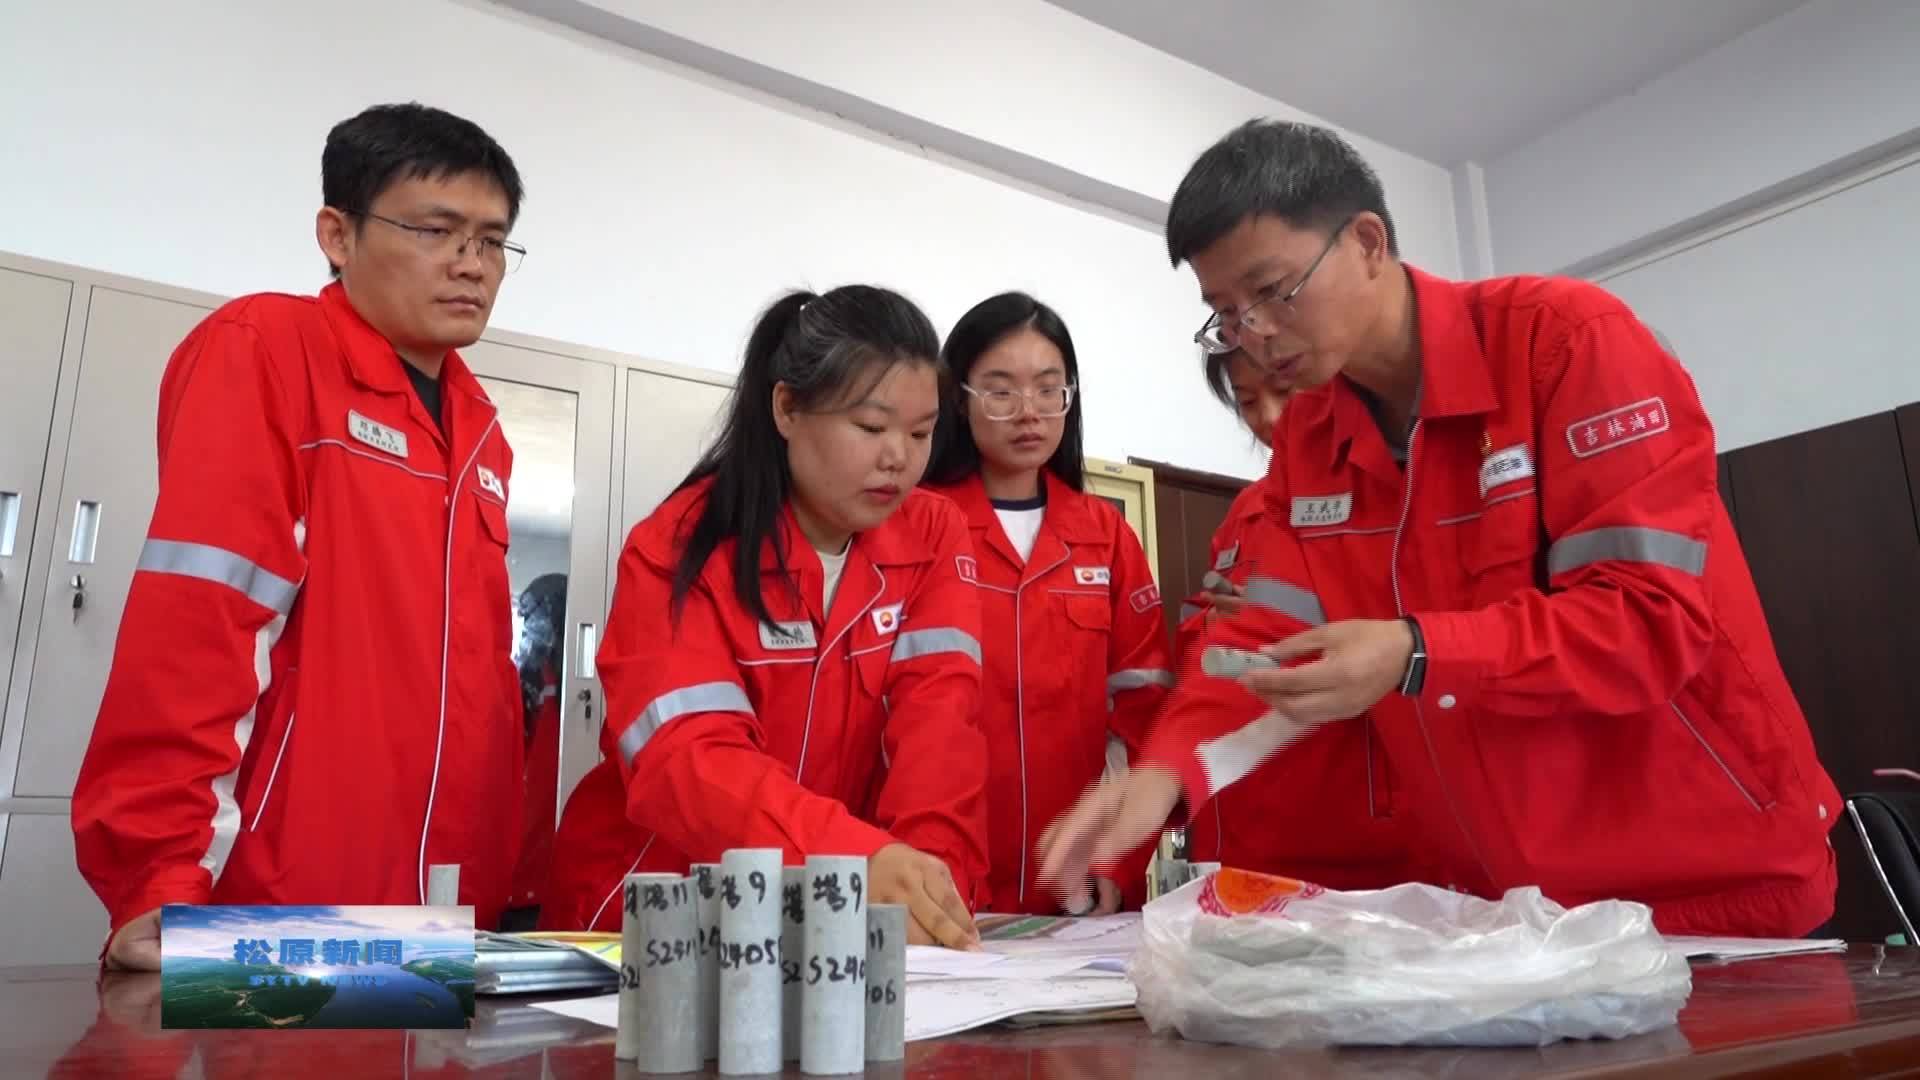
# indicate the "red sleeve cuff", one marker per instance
pixel 182 885
pixel 848 835
pixel 1461 649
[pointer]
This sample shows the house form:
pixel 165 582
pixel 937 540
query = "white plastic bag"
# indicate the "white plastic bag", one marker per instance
pixel 1258 961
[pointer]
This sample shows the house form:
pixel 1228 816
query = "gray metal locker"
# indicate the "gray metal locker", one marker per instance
pixel 557 410
pixel 51 916
pixel 670 422
pixel 34 311
pixel 106 498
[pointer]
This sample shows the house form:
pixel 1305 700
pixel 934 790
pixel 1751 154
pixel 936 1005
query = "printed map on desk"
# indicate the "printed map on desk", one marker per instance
pixel 1098 937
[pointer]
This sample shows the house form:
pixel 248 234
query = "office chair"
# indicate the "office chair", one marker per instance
pixel 1888 823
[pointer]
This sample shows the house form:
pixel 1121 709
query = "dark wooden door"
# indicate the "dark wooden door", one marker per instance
pixel 1188 506
pixel 1827 521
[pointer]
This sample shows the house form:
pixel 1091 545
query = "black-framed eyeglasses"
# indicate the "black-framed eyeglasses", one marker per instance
pixel 1265 314
pixel 442 242
pixel 1045 401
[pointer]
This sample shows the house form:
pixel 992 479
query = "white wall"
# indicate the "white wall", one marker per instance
pixel 1799 320
pixel 1034 79
pixel 181 143
pixel 1808 92
pixel 1743 205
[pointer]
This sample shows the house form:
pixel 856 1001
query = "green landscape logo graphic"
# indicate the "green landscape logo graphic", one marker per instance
pixel 316 967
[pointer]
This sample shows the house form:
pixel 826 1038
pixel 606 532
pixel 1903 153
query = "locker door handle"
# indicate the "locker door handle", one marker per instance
pixel 585 645
pixel 79 587
pixel 9 525
pixel 586 711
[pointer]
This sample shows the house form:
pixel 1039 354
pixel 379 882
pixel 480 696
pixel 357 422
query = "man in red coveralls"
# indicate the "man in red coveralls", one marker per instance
pixel 312 697
pixel 1492 528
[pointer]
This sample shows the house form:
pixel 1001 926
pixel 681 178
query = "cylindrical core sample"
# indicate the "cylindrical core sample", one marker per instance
pixel 706 903
pixel 793 956
pixel 833 1005
pixel 886 982
pixel 750 961
pixel 659 974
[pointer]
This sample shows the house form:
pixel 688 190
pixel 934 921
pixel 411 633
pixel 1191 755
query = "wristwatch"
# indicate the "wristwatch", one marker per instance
pixel 1416 674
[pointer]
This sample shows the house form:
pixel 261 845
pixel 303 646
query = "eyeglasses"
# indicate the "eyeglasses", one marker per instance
pixel 1218 336
pixel 1045 401
pixel 444 243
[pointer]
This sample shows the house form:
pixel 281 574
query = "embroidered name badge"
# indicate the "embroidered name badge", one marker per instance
pixel 1092 575
pixel 1513 463
pixel 1145 599
pixel 887 619
pixel 490 481
pixel 787 635
pixel 1614 429
pixel 1226 558
pixel 377 435
pixel 1322 510
pixel 968 569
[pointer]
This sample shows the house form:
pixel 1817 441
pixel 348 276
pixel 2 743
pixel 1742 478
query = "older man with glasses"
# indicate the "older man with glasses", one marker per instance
pixel 312 697
pixel 1492 536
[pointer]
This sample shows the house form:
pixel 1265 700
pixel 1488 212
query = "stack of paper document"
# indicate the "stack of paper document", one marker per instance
pixel 543 964
pixel 1032 969
pixel 1726 950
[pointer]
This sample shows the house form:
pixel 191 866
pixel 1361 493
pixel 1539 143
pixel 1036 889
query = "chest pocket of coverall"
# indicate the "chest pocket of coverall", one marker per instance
pixel 490 556
pixel 1079 627
pixel 1501 551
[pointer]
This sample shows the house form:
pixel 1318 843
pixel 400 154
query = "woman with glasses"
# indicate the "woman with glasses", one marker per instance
pixel 789 622
pixel 1326 815
pixel 1075 648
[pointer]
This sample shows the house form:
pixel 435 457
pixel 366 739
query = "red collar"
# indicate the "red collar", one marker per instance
pixel 371 358
pixel 1454 375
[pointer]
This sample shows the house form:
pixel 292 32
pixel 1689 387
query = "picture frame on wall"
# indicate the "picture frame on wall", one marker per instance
pixel 1130 489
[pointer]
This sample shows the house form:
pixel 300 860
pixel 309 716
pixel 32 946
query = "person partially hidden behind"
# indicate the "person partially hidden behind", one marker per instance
pixel 1492 531
pixel 312 696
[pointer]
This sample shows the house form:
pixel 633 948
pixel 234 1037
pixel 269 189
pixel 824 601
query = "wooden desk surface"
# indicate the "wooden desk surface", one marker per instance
pixel 1831 1015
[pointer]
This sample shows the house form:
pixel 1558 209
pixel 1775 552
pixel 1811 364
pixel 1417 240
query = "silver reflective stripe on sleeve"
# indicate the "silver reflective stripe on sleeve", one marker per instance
pixel 1237 753
pixel 1135 678
pixel 1627 543
pixel 935 639
pixel 1287 600
pixel 1188 611
pixel 222 567
pixel 698 698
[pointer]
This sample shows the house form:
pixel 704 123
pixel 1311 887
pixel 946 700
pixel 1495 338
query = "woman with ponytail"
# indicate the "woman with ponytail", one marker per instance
pixel 793 655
